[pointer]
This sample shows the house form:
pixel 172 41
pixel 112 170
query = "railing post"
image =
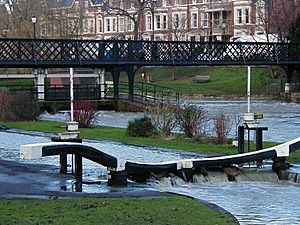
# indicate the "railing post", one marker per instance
pixel 115 51
pixel 63 163
pixel 241 139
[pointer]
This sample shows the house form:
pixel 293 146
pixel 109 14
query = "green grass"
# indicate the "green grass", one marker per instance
pixel 226 81
pixel 133 211
pixel 120 135
pixel 17 82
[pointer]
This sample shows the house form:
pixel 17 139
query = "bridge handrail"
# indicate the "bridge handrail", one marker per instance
pixel 100 53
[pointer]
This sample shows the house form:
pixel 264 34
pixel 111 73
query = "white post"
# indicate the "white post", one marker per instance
pixel 249 88
pixel 71 92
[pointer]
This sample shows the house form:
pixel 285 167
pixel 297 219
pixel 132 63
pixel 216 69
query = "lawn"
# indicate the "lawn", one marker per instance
pixel 133 211
pixel 225 81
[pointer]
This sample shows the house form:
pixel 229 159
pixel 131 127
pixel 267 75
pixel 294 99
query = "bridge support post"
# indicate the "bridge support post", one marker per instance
pixel 241 140
pixel 63 163
pixel 40 83
pixel 78 167
pixel 101 82
pixel 117 178
pixel 130 74
pixel 116 78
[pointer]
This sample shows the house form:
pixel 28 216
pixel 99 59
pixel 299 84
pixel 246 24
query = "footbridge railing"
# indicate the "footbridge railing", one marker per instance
pixel 143 92
pixel 41 53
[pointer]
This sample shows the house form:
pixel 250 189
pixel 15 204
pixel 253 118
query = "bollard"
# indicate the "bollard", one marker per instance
pixel 78 167
pixel 241 140
pixel 63 163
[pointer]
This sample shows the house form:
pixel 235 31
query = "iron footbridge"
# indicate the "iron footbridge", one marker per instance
pixel 43 53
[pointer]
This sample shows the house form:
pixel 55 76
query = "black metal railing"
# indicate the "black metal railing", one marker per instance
pixel 143 92
pixel 86 53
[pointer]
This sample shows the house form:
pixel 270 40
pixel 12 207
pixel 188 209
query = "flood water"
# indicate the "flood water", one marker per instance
pixel 282 119
pixel 256 199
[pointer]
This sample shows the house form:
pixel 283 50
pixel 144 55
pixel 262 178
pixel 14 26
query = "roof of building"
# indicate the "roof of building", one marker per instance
pixel 96 2
pixel 60 3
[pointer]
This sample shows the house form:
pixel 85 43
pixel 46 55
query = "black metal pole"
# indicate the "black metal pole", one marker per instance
pixel 63 163
pixel 241 139
pixel 34 36
pixel 259 139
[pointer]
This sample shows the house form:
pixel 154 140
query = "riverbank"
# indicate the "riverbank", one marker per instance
pixel 120 135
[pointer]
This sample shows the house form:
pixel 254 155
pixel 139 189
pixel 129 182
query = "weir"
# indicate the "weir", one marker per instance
pixel 140 172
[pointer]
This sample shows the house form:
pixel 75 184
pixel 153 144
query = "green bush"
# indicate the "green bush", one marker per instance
pixel 141 127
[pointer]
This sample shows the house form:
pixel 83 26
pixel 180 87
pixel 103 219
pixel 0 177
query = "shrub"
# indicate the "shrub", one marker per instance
pixel 191 120
pixel 5 104
pixel 84 112
pixel 141 127
pixel 24 107
pixel 222 126
pixel 164 117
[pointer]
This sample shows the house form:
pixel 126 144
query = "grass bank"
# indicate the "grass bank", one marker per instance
pixel 225 81
pixel 120 135
pixel 170 210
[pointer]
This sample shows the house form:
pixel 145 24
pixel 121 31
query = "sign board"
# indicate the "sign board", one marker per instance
pixel 258 116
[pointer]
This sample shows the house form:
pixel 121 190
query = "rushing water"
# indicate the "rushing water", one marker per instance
pixel 255 199
pixel 282 119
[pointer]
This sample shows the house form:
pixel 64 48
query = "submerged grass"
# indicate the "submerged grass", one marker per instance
pixel 120 135
pixel 133 211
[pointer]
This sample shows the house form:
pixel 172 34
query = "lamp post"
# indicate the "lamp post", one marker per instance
pixel 224 29
pixel 33 20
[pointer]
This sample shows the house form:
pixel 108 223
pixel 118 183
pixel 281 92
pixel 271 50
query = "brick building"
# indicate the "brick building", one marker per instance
pixel 205 20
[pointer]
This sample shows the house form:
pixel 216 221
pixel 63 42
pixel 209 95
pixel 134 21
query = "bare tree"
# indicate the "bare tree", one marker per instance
pixel 178 31
pixel 272 18
pixel 63 21
pixel 18 17
pixel 131 10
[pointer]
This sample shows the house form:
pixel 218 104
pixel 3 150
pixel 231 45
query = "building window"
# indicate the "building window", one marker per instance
pixel 91 28
pixel 176 2
pixel 100 30
pixel 176 21
pixel 149 22
pixel 247 17
pixel 108 28
pixel 243 16
pixel 129 24
pixel 216 18
pixel 158 23
pixel 194 20
pixel 122 24
pixel 164 23
pixel 260 9
pixel 164 2
pixel 85 26
pixel 239 18
pixel 114 25
pixel 205 20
